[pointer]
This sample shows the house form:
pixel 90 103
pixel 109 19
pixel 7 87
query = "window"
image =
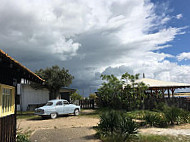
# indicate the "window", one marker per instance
pixel 7 100
pixel 49 104
pixel 59 103
pixel 65 102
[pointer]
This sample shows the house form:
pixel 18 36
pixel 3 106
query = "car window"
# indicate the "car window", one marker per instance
pixel 65 102
pixel 59 103
pixel 49 104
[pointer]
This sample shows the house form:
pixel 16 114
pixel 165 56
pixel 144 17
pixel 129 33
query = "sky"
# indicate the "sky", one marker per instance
pixel 97 37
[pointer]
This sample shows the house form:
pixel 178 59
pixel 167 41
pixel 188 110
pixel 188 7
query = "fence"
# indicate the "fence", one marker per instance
pixel 86 104
pixel 8 127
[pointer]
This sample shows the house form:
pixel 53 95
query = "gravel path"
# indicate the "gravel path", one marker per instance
pixel 82 134
pixel 62 129
pixel 58 123
pixel 174 131
pixel 79 129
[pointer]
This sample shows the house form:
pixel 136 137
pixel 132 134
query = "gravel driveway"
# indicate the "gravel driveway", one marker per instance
pixel 79 129
pixel 80 134
pixel 63 129
pixel 183 130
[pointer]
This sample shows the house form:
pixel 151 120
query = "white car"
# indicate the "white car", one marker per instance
pixel 53 108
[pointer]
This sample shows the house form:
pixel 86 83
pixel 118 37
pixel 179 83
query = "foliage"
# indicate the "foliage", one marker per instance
pixel 75 96
pixel 167 116
pixel 176 115
pixel 27 115
pixel 55 78
pixel 92 96
pixel 114 123
pixel 111 92
pixel 139 114
pixel 22 137
pixel 124 93
pixel 156 120
pixel 161 138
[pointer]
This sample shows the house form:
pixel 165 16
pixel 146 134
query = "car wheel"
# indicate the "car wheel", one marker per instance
pixel 53 115
pixel 76 112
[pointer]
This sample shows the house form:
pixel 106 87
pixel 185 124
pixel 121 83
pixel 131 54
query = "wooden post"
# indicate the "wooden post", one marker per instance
pixel 156 91
pixel 168 93
pixel 151 92
pixel 172 89
pixel 163 93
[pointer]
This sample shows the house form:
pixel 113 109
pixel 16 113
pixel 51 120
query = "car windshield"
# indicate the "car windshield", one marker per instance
pixel 49 104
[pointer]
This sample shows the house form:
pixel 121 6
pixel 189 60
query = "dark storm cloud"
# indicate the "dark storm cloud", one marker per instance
pixel 89 38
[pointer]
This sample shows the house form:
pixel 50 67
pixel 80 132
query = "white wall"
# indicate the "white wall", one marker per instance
pixel 32 96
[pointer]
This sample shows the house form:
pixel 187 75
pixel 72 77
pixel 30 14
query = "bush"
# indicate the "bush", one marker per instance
pixel 156 120
pixel 169 116
pixel 22 138
pixel 114 125
pixel 176 115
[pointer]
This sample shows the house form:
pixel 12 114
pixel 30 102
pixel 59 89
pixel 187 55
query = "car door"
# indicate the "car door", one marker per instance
pixel 59 107
pixel 66 107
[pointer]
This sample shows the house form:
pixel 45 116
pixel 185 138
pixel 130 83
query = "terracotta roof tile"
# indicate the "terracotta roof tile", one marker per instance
pixel 22 66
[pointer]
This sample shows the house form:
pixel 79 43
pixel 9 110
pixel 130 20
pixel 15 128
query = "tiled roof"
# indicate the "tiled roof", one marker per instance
pixel 19 64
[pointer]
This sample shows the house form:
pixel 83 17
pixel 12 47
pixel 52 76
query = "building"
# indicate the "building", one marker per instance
pixel 11 73
pixel 156 86
pixel 30 98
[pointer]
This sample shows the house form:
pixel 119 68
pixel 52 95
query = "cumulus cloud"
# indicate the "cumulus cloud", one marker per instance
pixel 90 37
pixel 179 16
pixel 183 56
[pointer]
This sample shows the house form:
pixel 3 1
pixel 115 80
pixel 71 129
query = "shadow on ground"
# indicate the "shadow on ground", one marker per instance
pixel 79 134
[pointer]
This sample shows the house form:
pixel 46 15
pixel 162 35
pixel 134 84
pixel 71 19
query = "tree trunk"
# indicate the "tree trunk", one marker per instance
pixel 51 95
pixel 57 95
pixel 54 94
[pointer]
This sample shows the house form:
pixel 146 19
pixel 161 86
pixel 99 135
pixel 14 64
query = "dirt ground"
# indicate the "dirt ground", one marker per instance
pixel 62 129
pixel 173 131
pixel 80 129
pixel 61 122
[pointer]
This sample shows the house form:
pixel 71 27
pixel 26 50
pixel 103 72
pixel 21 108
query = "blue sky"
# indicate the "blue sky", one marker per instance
pixel 181 42
pixel 94 37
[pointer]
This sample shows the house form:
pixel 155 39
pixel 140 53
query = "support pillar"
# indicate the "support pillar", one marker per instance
pixel 168 93
pixel 163 93
pixel 172 89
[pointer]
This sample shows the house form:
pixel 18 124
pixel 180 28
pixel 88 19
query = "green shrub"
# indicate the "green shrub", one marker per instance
pixel 160 106
pixel 109 122
pixel 114 125
pixel 176 115
pixel 22 138
pixel 156 120
pixel 184 117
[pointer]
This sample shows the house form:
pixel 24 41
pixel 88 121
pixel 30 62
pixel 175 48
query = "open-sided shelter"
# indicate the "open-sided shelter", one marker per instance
pixel 11 73
pixel 158 86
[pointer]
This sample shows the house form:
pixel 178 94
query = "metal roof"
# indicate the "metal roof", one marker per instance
pixel 158 83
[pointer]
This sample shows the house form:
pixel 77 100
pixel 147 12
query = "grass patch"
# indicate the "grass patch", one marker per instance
pixel 95 113
pixel 27 115
pixel 161 138
pixel 148 138
pixel 140 114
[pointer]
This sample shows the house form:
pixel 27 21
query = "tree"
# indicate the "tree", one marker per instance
pixel 75 96
pixel 55 78
pixel 110 93
pixel 121 93
pixel 92 96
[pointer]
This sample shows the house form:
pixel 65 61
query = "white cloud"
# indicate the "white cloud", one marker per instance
pixel 90 37
pixel 183 56
pixel 179 16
